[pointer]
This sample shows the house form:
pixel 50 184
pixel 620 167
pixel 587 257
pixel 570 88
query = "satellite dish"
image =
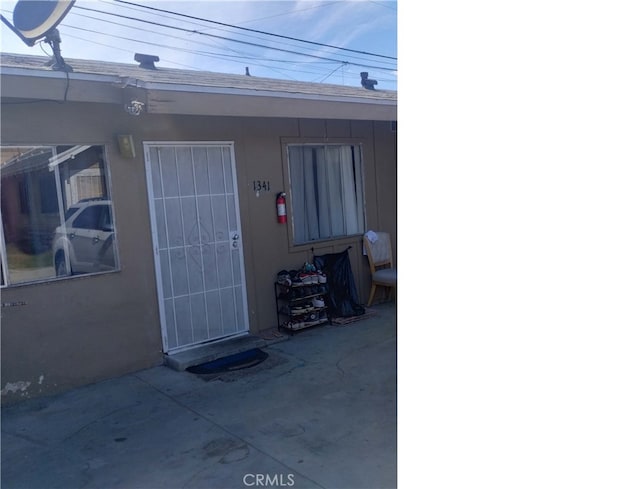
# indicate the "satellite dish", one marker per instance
pixel 37 19
pixel 34 19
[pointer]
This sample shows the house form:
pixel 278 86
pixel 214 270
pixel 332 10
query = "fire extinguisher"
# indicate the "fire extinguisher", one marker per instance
pixel 281 206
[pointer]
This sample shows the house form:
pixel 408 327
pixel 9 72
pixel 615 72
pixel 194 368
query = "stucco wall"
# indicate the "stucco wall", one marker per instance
pixel 79 330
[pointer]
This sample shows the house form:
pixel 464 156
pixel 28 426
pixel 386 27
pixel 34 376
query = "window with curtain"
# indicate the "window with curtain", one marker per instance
pixel 327 198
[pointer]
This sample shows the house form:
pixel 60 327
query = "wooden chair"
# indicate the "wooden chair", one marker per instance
pixel 383 273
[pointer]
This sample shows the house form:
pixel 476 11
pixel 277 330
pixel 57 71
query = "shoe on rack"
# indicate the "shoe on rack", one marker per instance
pixel 308 278
pixel 296 310
pixel 296 281
pixel 317 302
pixel 284 278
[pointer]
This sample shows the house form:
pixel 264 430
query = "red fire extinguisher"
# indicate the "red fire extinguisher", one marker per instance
pixel 281 206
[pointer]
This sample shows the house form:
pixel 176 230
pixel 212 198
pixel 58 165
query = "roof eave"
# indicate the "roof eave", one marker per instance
pixel 167 98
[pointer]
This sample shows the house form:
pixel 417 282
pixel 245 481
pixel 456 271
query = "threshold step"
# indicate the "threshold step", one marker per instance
pixel 212 351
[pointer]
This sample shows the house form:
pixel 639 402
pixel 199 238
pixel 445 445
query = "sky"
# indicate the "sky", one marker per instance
pixel 96 29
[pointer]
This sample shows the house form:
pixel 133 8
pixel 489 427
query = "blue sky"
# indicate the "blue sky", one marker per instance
pixel 362 25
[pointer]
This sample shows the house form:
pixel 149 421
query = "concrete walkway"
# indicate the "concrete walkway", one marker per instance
pixel 320 412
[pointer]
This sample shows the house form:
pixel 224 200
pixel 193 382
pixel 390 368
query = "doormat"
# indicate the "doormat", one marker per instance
pixel 245 359
pixel 352 319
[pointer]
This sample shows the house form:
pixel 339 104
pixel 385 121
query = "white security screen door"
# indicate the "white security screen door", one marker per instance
pixel 197 242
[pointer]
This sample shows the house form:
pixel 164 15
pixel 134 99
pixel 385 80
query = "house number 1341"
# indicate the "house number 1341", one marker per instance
pixel 261 185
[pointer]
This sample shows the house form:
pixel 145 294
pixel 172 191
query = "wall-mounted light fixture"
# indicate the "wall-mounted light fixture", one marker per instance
pixel 134 107
pixel 126 147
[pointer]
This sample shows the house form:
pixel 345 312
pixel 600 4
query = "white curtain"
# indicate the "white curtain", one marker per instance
pixel 327 197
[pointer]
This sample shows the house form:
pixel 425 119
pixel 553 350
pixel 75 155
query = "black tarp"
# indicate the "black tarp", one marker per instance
pixel 343 295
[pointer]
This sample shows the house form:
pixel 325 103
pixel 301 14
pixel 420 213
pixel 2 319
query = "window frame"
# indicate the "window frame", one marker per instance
pixel 342 240
pixel 106 168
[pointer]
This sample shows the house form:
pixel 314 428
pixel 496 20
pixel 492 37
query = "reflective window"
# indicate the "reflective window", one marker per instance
pixel 89 218
pixel 56 213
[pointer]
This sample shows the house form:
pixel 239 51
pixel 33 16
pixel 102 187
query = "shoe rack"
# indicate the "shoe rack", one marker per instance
pixel 301 305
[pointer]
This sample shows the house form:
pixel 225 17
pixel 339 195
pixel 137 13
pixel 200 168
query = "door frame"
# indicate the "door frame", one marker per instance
pixel 156 251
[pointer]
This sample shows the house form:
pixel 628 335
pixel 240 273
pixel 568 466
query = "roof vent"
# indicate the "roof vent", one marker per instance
pixel 146 61
pixel 367 82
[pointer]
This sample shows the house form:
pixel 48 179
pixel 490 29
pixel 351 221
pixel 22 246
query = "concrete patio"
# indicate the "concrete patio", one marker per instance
pixel 320 412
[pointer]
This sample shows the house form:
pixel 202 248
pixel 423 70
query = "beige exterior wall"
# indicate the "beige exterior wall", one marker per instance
pixel 84 329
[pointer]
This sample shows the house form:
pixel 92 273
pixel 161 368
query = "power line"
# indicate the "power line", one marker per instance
pixel 289 12
pixel 138 29
pixel 383 5
pixel 200 24
pixel 331 73
pixel 175 48
pixel 255 30
pixel 192 31
pixel 155 44
pixel 241 56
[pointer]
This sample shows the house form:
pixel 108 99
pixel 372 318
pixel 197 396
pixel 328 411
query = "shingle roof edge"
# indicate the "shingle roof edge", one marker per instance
pixel 193 80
